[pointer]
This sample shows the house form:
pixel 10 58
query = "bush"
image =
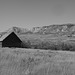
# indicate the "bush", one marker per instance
pixel 26 44
pixel 46 45
pixel 69 46
pixel 57 45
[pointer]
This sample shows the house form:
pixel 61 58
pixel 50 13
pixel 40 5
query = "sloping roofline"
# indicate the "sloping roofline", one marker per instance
pixel 7 34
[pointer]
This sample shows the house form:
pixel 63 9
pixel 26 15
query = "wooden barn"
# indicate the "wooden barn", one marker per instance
pixel 10 40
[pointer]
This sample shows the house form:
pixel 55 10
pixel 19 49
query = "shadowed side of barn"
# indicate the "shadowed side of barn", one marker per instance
pixel 10 40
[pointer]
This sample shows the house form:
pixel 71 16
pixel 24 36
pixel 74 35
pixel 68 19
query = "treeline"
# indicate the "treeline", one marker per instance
pixel 57 45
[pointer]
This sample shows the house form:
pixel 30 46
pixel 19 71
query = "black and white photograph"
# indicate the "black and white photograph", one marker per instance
pixel 37 37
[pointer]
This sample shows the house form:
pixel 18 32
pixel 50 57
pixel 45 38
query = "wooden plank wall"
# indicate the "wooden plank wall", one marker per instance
pixel 0 44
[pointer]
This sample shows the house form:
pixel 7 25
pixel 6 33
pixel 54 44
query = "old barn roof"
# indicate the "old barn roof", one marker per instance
pixel 6 35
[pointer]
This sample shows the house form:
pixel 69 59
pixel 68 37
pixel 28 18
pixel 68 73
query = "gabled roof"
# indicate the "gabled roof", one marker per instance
pixel 6 35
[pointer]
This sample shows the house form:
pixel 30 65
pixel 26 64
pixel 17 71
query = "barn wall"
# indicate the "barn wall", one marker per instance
pixel 0 44
pixel 11 41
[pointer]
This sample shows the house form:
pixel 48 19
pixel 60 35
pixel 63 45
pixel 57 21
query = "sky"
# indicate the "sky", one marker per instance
pixel 35 13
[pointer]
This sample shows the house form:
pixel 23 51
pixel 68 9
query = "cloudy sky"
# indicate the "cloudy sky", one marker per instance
pixel 32 13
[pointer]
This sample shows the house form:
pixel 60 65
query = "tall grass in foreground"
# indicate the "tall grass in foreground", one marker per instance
pixel 23 63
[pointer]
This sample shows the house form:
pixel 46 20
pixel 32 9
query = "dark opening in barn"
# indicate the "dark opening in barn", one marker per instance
pixel 12 40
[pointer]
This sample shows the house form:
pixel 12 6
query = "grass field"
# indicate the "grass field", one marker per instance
pixel 18 61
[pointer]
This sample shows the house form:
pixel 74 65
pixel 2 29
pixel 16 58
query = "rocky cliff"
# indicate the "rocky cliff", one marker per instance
pixel 64 29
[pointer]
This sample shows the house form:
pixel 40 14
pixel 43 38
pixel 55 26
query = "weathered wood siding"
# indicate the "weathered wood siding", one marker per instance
pixel 0 44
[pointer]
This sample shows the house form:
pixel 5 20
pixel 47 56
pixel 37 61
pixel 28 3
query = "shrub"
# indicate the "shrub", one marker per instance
pixel 70 46
pixel 26 44
pixel 53 45
pixel 46 45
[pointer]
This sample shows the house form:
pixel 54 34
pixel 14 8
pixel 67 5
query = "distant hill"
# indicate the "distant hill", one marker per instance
pixel 18 30
pixel 63 29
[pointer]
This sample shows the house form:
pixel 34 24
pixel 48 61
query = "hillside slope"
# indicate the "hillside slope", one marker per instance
pixel 63 29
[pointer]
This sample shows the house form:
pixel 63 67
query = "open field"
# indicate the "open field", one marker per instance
pixel 18 61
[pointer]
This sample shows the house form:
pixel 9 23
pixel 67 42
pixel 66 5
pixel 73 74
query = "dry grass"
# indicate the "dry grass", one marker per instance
pixel 36 62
